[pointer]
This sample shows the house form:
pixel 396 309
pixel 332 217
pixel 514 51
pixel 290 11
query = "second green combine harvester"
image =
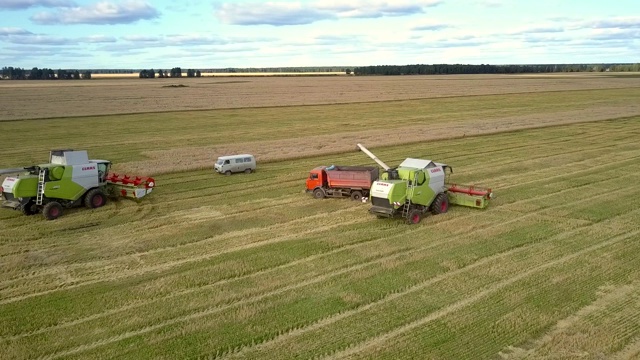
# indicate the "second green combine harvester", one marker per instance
pixel 417 187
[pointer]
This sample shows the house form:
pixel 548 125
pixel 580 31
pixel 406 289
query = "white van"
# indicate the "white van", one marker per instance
pixel 235 163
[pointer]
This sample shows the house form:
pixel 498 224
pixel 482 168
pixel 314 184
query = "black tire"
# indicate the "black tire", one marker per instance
pixel 356 196
pixel 30 208
pixel 440 205
pixel 247 171
pixel 415 216
pixel 228 173
pixel 95 198
pixel 52 210
pixel 318 193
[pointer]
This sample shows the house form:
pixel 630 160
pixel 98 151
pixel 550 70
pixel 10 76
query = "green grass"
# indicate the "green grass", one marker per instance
pixel 249 266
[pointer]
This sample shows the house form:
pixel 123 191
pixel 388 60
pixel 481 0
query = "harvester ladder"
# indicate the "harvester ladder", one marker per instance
pixel 410 189
pixel 42 174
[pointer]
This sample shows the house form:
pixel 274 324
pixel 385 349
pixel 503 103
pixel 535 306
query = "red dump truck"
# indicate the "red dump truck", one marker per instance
pixel 339 181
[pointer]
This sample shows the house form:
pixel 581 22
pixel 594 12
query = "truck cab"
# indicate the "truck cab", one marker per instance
pixel 317 178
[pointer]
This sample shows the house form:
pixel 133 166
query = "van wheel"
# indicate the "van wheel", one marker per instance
pixel 247 171
pixel 227 172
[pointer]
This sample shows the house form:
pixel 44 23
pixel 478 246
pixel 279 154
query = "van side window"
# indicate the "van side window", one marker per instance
pixel 226 162
pixel 238 161
pixel 247 159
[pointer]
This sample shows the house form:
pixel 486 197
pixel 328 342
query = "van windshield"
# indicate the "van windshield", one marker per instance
pixel 220 162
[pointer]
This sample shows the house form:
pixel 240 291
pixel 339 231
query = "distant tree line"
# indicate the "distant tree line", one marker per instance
pixel 12 73
pixel 441 69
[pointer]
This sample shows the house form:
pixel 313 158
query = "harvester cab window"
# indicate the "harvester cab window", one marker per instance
pixel 102 172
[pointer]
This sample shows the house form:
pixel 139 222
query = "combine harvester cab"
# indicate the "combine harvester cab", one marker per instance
pixel 417 187
pixel 69 179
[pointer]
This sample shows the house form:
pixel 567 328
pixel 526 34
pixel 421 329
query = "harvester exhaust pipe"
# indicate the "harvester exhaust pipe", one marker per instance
pixel 375 158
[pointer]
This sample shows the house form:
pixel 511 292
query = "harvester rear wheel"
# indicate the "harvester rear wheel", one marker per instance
pixel 318 193
pixel 30 208
pixel 440 205
pixel 95 198
pixel 414 216
pixel 356 195
pixel 52 210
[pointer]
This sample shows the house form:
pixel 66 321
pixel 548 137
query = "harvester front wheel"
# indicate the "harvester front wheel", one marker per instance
pixel 52 210
pixel 440 205
pixel 95 198
pixel 356 196
pixel 30 208
pixel 318 193
pixel 414 216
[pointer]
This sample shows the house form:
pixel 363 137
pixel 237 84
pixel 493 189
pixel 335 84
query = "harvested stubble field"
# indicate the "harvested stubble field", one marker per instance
pixel 249 266
pixel 49 99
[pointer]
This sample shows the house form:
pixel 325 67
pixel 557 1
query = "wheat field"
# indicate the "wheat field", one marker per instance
pixel 250 267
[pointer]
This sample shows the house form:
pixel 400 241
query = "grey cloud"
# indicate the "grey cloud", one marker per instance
pixel 25 4
pixel 617 35
pixel 98 39
pixel 101 13
pixel 614 23
pixel 40 40
pixel 431 27
pixel 7 31
pixel 538 29
pixel 282 13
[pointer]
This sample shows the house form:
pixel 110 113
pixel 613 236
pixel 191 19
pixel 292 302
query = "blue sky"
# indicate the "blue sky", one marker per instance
pixel 82 34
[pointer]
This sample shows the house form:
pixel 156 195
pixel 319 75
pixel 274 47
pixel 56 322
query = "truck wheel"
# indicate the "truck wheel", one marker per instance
pixel 440 205
pixel 30 208
pixel 228 173
pixel 318 193
pixel 52 210
pixel 414 216
pixel 95 198
pixel 356 196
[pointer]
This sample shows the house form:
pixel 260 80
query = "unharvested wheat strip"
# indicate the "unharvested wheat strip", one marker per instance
pixel 335 318
pixel 474 298
pixel 163 266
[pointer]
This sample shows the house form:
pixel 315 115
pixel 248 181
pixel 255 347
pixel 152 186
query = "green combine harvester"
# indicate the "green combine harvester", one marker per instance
pixel 69 179
pixel 417 187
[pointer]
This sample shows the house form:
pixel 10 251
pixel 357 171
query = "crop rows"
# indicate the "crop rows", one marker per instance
pixel 249 266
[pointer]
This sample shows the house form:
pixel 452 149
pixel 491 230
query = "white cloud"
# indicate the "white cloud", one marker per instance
pixel 101 13
pixel 297 13
pixel 11 31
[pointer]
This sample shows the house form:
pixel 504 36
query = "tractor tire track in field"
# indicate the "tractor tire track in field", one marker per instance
pixel 475 297
pixel 414 288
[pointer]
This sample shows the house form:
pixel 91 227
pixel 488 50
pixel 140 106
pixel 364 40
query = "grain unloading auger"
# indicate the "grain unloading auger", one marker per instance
pixel 417 187
pixel 69 179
